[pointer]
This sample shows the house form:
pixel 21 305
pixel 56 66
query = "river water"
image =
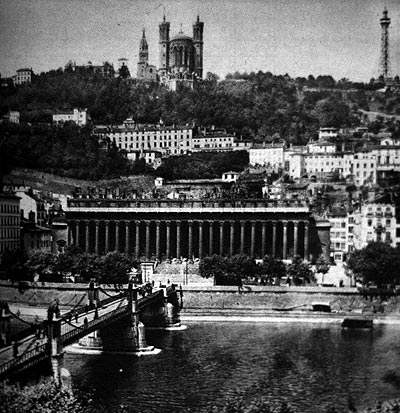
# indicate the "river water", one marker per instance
pixel 311 366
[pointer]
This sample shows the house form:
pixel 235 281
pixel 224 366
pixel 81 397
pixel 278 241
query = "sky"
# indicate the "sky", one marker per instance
pixel 299 37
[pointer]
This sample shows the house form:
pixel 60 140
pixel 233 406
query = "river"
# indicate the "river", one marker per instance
pixel 311 366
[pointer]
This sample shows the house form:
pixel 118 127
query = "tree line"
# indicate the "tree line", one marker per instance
pixel 252 105
pixel 73 263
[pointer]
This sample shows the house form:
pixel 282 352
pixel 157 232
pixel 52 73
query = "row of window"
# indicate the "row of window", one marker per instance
pixel 9 246
pixel 9 221
pixel 388 223
pixel 9 209
pixel 154 135
pixel 6 233
pixel 40 244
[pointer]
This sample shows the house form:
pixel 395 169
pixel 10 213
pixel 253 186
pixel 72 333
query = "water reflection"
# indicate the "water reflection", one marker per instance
pixel 310 366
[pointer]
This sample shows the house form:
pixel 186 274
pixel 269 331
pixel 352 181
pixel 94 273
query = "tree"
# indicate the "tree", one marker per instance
pixel 227 270
pixel 378 262
pixel 124 72
pixel 14 265
pixel 299 271
pixel 272 267
pixel 43 398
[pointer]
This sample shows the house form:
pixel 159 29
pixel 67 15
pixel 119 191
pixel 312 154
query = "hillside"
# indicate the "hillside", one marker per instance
pixel 61 185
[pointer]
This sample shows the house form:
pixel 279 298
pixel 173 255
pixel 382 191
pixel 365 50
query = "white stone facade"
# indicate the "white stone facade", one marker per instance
pixel 375 222
pixel 269 155
pixel 80 117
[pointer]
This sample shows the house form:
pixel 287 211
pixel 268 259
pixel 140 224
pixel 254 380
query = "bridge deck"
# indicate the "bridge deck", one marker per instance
pixel 73 326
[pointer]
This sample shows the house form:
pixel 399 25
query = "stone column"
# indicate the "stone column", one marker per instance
pixel 274 223
pixel 295 237
pixel 137 240
pixel 147 240
pixel 106 238
pixel 178 239
pixel 284 252
pixel 242 223
pixel 306 241
pixel 158 239
pixel 77 232
pixel 253 239
pixel 168 250
pixel 221 238
pixel 87 236
pixel 200 239
pixel 96 237
pixel 232 238
pixel 127 237
pixel 117 235
pixel 211 237
pixel 190 251
pixel 263 238
pixel 69 233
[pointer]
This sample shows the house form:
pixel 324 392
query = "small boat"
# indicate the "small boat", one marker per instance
pixel 357 323
pixel 321 307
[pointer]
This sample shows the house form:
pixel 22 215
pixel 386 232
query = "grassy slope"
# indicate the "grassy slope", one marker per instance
pixel 62 185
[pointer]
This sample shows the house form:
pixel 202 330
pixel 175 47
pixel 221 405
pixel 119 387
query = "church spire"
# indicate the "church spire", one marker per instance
pixel 143 49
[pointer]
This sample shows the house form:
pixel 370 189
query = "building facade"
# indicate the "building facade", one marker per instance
pixel 23 77
pixel 167 228
pixel 167 140
pixel 79 117
pixel 268 155
pixel 10 237
pixel 375 222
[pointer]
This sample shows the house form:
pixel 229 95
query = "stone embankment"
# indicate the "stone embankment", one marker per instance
pixel 219 303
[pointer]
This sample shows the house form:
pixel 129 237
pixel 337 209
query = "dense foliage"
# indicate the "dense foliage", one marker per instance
pixel 42 398
pixel 256 104
pixel 235 270
pixel 65 151
pixel 112 268
pixel 377 263
pixel 203 165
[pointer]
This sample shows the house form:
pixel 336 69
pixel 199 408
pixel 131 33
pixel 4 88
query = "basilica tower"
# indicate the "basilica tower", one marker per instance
pixel 143 49
pixel 198 28
pixel 164 47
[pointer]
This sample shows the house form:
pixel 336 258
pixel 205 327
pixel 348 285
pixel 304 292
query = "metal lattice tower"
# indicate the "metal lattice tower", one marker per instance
pixel 384 61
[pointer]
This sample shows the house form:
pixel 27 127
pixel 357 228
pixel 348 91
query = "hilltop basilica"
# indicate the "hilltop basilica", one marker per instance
pixel 181 57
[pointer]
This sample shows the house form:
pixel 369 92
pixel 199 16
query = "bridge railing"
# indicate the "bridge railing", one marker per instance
pixel 68 331
pixel 26 357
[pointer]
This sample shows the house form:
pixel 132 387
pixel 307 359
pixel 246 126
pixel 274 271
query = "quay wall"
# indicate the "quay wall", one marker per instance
pixel 267 298
pixel 204 298
pixel 43 294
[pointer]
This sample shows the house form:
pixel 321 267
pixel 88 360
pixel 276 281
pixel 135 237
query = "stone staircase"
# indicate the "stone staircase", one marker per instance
pixel 179 272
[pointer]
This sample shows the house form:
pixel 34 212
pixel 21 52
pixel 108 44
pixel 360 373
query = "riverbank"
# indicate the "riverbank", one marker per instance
pixel 220 303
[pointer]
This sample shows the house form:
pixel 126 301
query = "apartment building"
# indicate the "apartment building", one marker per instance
pixel 9 223
pixel 272 155
pixel 375 222
pixel 79 117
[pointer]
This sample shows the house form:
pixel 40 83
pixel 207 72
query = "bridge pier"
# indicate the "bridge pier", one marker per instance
pixel 56 352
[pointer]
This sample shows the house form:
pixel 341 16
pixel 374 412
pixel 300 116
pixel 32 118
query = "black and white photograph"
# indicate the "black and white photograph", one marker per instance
pixel 199 206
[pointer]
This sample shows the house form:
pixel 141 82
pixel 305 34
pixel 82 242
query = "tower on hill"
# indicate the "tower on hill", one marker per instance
pixel 144 70
pixel 384 60
pixel 181 57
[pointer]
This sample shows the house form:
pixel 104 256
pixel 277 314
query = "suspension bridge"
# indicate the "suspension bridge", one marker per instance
pixel 119 320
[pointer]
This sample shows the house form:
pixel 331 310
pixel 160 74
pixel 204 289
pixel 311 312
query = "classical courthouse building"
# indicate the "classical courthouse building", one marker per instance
pixel 168 228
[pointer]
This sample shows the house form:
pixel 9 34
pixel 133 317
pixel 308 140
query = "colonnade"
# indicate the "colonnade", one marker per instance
pixel 192 238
